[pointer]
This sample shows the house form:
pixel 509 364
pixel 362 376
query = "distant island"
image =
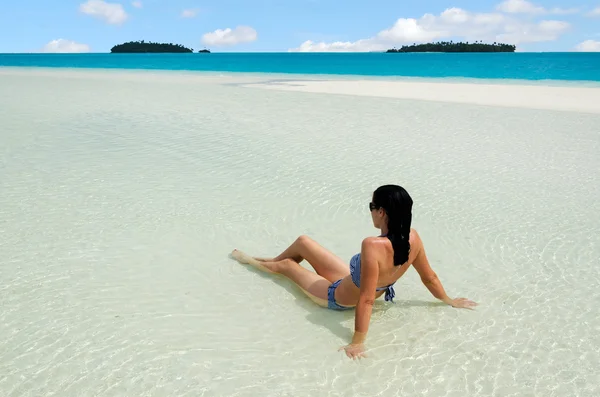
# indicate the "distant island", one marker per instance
pixel 150 47
pixel 449 46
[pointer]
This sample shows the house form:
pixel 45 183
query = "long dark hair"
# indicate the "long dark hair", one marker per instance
pixel 397 204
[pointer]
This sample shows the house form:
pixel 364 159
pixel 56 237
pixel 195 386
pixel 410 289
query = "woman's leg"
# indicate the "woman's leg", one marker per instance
pixel 324 262
pixel 313 285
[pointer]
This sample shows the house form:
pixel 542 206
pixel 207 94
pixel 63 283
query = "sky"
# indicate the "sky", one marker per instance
pixel 296 25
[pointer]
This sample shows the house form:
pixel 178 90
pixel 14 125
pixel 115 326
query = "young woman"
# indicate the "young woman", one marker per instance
pixel 372 272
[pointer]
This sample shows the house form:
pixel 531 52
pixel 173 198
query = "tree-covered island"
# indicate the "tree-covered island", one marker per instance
pixel 150 47
pixel 450 46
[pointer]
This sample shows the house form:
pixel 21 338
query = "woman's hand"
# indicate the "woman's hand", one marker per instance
pixel 462 303
pixel 354 350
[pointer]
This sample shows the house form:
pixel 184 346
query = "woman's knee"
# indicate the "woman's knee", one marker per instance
pixel 304 239
pixel 286 264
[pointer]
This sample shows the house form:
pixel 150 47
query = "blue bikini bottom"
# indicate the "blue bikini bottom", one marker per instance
pixel 331 303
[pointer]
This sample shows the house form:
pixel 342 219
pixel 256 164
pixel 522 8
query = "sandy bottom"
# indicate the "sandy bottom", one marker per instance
pixel 122 194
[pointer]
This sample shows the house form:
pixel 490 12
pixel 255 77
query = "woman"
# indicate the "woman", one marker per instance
pixel 372 272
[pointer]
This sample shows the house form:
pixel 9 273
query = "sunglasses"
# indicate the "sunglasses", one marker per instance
pixel 372 207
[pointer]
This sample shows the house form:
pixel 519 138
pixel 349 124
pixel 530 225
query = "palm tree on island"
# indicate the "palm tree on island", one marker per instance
pixel 151 47
pixel 450 46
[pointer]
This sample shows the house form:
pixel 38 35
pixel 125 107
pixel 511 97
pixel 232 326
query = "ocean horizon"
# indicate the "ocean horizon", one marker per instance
pixel 560 66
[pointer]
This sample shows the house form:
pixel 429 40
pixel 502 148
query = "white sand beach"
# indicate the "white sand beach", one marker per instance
pixel 578 99
pixel 123 192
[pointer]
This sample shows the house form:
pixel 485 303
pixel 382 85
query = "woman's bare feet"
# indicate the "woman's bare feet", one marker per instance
pixel 263 259
pixel 248 260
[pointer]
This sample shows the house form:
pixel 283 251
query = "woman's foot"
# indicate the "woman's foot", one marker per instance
pixel 263 259
pixel 248 260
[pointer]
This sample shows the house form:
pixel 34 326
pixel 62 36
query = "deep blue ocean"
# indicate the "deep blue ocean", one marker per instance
pixel 521 66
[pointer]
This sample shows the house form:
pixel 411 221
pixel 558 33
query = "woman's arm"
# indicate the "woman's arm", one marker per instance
pixel 369 275
pixel 432 282
pixel 428 276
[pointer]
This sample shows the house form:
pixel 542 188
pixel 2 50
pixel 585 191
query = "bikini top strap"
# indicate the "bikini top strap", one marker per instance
pixel 390 294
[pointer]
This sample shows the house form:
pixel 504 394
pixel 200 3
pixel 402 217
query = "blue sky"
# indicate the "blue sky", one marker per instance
pixel 308 25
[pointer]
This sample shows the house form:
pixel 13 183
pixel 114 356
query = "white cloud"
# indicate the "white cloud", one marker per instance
pixel 241 34
pixel 541 31
pixel 137 4
pixel 65 46
pixel 526 7
pixel 594 13
pixel 111 13
pixel 520 7
pixel 453 23
pixel 407 30
pixel 564 11
pixel 588 46
pixel 338 46
pixel 191 13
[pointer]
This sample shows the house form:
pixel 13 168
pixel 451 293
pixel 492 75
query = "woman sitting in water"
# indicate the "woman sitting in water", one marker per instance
pixel 372 272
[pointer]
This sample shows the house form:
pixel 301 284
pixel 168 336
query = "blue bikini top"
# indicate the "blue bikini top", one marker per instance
pixel 355 273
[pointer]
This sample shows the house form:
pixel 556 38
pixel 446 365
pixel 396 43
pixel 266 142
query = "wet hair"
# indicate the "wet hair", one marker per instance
pixel 397 204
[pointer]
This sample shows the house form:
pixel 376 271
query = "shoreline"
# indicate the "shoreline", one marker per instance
pixel 570 99
pixel 522 94
pixel 319 76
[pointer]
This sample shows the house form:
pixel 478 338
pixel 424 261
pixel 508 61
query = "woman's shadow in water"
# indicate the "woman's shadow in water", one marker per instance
pixel 333 319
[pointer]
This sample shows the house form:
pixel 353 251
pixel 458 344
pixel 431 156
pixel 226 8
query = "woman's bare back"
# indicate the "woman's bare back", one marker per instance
pixel 347 293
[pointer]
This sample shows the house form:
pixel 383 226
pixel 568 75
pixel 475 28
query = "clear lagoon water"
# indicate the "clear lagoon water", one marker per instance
pixel 122 194
pixel 515 66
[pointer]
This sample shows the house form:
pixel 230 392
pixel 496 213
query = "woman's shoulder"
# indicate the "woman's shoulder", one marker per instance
pixel 374 243
pixel 380 242
pixel 377 245
pixel 414 235
pixel 414 240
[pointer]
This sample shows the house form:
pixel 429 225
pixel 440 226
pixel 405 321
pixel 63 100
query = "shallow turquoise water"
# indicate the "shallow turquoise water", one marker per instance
pixel 521 66
pixel 123 194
